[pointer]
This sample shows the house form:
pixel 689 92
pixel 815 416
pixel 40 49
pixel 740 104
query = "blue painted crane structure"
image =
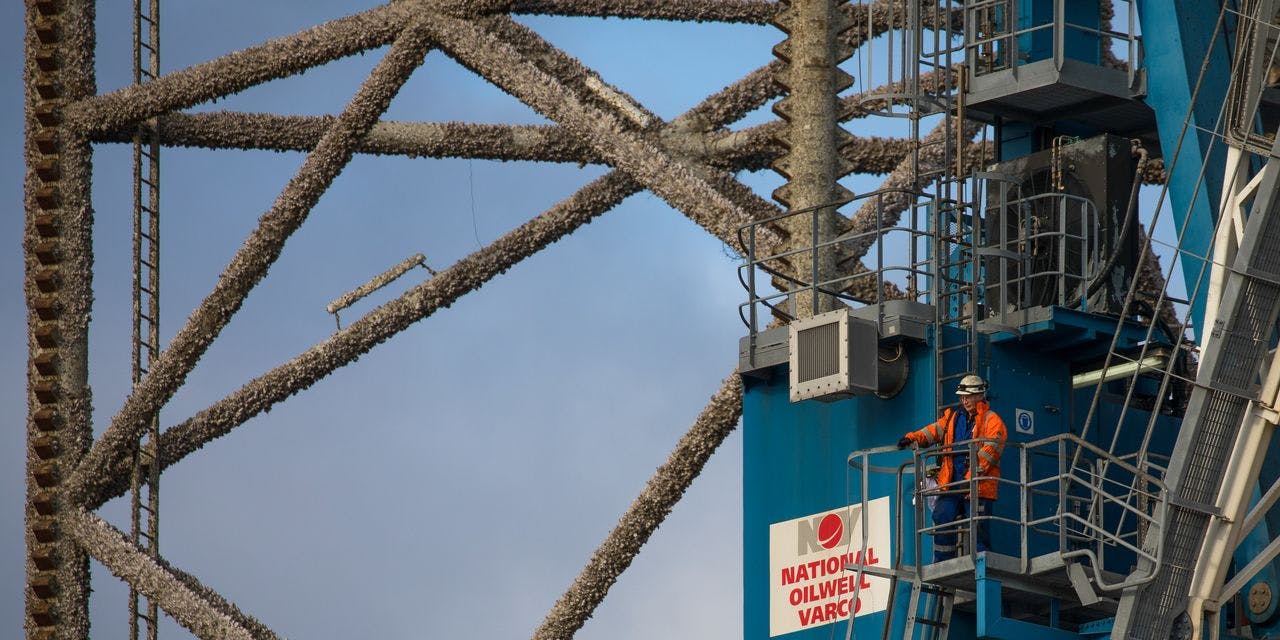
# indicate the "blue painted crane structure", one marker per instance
pixel 1137 480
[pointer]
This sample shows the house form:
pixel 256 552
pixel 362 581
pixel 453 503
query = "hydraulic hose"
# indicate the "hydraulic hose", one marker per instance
pixel 1126 227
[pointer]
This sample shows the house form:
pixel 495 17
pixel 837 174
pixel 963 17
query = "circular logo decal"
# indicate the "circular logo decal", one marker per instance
pixel 830 530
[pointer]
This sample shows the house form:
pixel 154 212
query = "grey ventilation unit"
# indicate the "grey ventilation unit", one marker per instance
pixel 833 356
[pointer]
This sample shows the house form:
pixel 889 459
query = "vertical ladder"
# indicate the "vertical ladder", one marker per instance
pixel 145 482
pixel 929 607
pixel 956 229
pixel 928 612
pixel 956 298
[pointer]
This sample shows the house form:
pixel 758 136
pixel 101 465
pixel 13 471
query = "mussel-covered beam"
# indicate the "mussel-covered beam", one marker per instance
pixel 237 71
pixel 194 606
pixel 659 496
pixel 250 263
pixel 746 11
pixel 615 139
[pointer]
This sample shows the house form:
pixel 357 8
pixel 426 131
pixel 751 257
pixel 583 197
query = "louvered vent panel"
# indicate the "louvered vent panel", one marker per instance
pixel 819 351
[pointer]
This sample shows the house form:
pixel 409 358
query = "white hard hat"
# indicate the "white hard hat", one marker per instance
pixel 971 385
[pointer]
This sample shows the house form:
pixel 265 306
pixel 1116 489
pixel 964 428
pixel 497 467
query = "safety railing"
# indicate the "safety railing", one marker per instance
pixel 1001 35
pixel 890 224
pixel 1073 499
pixel 1038 250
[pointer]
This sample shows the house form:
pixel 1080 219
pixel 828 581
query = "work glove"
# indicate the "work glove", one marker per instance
pixel 904 442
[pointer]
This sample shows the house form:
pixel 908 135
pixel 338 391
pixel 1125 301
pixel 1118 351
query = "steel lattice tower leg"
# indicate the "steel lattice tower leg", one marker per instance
pixel 59 46
pixel 812 137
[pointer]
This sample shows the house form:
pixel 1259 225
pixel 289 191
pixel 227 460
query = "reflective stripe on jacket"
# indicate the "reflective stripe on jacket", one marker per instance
pixel 986 425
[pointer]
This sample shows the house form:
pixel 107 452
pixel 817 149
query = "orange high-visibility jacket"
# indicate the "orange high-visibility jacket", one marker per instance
pixel 986 424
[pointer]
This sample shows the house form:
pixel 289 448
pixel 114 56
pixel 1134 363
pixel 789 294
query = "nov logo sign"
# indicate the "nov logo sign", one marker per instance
pixel 808 583
pixel 824 532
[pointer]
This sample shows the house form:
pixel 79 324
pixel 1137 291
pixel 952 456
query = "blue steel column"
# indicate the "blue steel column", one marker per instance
pixel 1173 61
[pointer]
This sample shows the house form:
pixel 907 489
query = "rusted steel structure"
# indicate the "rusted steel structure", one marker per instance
pixel 689 162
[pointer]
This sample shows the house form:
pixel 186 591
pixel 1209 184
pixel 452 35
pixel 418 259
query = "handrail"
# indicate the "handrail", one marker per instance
pixel 913 272
pixel 1089 498
pixel 1014 243
pixel 993 43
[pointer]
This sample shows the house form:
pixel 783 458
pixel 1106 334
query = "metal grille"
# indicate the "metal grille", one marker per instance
pixel 1221 420
pixel 1246 340
pixel 819 351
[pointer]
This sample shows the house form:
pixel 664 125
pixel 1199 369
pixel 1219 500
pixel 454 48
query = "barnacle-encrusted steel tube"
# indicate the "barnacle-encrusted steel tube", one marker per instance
pixel 57 243
pixel 235 130
pixel 238 71
pixel 252 260
pixel 613 137
pixel 646 513
pixel 348 344
pixel 680 140
pixel 749 11
pixel 191 604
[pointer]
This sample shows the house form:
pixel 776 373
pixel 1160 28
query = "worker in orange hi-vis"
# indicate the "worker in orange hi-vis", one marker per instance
pixel 976 422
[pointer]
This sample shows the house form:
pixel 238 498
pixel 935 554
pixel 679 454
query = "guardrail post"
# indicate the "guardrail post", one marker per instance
pixel 1024 516
pixel 1062 496
pixel 1059 33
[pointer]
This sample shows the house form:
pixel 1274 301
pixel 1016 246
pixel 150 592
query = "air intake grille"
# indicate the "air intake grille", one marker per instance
pixel 818 351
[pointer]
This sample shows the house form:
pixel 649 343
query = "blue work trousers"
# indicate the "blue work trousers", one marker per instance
pixel 952 507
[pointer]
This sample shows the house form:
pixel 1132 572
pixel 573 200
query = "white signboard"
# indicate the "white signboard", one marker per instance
pixel 1025 421
pixel 808 584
